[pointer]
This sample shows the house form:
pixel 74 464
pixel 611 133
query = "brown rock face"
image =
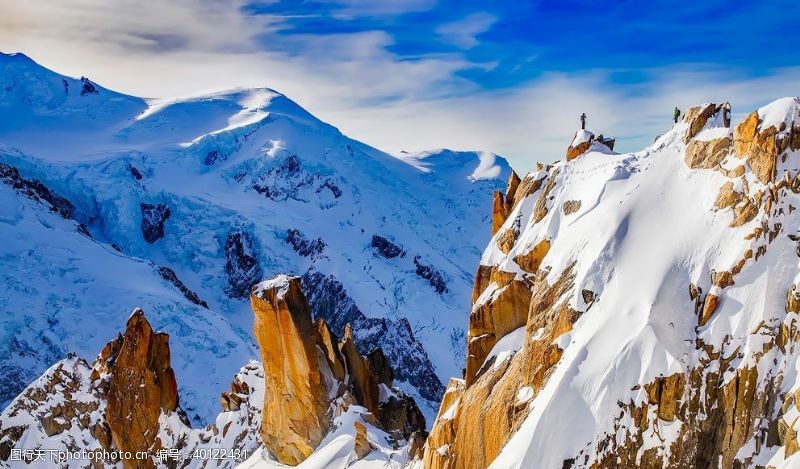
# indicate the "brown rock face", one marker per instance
pixel 297 356
pixel 362 447
pixel 499 213
pixel 761 147
pixel 728 197
pixel 141 385
pixel 477 417
pixel 577 150
pixel 296 404
pixel 362 379
pixel 706 154
pixel 696 117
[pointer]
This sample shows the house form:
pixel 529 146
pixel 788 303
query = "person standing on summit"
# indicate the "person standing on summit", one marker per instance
pixel 583 121
pixel 676 114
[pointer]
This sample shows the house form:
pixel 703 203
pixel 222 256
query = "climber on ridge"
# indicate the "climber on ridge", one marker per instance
pixel 676 114
pixel 583 121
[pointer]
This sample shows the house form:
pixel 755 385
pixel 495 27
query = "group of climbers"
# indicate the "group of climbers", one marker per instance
pixel 675 115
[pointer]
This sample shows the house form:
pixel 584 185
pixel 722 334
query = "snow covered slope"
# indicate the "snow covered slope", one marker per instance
pixel 656 295
pixel 176 205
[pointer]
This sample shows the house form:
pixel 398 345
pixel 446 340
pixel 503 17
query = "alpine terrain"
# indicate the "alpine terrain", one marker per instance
pixel 639 310
pixel 111 202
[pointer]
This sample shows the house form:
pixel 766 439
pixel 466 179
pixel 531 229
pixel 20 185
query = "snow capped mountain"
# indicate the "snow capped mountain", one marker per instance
pixel 179 207
pixel 640 310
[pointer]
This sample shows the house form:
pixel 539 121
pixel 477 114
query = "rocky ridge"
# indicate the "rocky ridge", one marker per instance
pixel 309 387
pixel 581 353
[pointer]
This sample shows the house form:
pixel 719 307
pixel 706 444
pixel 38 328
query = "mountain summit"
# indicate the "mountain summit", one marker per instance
pixel 111 201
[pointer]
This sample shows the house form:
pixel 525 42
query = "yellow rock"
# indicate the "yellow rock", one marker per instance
pixel 296 402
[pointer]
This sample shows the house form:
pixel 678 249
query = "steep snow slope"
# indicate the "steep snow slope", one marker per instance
pixel 225 190
pixel 658 303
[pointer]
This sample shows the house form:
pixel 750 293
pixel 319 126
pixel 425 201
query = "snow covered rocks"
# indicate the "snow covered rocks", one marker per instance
pixel 584 140
pixel 584 348
pixel 310 377
pixel 153 218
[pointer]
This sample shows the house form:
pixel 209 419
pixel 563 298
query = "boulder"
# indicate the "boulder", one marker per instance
pixel 728 196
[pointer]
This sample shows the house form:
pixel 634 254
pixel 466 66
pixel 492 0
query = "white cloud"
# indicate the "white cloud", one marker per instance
pixel 464 33
pixel 162 49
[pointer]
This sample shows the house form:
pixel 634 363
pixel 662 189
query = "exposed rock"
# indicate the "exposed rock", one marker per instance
pixel 310 373
pixel 153 218
pixel 511 191
pixel 429 273
pixel 409 360
pixel 380 367
pixel 736 172
pixel 141 385
pixel 581 142
pixel 507 240
pixel 88 87
pixel 362 445
pixel 744 212
pixel 571 206
pixel 476 418
pixel 706 154
pixel 36 190
pixel 386 248
pixel 297 417
pixel 696 117
pixel 762 146
pixel 327 342
pixel 588 296
pixel 793 300
pixel 728 197
pixel 709 306
pixel 499 213
pixel 304 247
pixel 531 260
pixel 540 209
pixel 416 445
pixel 241 264
pixel 722 279
pixel 212 157
pixel 170 276
pixel 135 172
pixel 363 381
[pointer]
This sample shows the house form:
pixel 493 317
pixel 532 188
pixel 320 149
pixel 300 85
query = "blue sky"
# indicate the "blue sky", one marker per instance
pixel 505 76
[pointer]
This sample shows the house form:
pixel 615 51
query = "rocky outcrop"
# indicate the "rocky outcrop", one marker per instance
pixel 170 276
pixel 386 248
pixel 119 403
pixel 141 387
pixel 409 361
pixel 154 216
pixel 431 274
pixel 296 406
pixel 583 141
pixel 36 190
pixel 706 154
pixel 309 373
pixel 721 399
pixel 303 246
pixel 761 145
pixel 241 264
